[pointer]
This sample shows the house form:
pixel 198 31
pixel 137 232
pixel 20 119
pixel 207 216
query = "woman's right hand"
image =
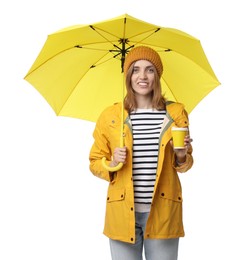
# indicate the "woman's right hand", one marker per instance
pixel 119 156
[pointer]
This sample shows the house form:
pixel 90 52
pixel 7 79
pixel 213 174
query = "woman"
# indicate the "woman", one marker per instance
pixel 144 199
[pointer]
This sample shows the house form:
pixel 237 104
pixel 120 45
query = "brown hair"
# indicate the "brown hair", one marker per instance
pixel 158 100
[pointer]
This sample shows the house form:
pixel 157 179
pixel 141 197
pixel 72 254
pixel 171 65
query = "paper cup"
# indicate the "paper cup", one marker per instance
pixel 178 134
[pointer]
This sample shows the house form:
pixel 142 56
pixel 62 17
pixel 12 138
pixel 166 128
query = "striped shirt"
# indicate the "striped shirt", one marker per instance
pixel 146 128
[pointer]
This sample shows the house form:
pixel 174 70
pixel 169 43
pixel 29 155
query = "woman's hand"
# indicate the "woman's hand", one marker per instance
pixel 181 153
pixel 119 156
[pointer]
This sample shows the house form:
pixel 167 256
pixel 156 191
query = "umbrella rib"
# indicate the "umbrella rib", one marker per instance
pixel 40 65
pixel 154 31
pixel 96 30
pixel 96 63
pixel 77 46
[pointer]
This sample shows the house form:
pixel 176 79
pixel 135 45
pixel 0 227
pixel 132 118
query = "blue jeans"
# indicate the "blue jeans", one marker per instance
pixel 154 249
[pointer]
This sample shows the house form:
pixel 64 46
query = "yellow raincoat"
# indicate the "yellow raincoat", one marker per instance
pixel 165 219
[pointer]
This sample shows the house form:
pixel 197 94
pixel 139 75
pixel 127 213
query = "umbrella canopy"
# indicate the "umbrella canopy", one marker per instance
pixel 79 70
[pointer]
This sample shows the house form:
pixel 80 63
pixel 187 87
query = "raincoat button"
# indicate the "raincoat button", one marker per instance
pixel 131 238
pixel 131 208
pixel 113 121
pixel 122 195
pixel 179 198
pixel 108 198
pixel 162 194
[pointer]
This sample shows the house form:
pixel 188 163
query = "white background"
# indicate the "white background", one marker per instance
pixel 51 206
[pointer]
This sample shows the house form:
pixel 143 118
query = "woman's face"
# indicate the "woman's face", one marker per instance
pixel 142 78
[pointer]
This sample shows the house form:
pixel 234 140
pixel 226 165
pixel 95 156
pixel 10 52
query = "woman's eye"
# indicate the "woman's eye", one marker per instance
pixel 147 70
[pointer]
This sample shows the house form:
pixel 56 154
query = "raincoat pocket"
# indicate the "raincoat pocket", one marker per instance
pixel 115 195
pixel 172 195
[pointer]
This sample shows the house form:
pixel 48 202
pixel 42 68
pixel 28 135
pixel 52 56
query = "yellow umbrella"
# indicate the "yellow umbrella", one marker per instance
pixel 79 69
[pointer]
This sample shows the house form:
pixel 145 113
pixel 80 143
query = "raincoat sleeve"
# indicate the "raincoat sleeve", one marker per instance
pixel 100 149
pixel 187 164
pixel 181 120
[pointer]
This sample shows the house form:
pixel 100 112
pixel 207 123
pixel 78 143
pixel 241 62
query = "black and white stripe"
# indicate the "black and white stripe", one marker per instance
pixel 146 128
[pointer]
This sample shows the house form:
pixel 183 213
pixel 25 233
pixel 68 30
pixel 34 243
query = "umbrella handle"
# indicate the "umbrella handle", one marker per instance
pixel 111 169
pixel 120 165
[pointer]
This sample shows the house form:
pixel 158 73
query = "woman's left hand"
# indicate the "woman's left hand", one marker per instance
pixel 181 153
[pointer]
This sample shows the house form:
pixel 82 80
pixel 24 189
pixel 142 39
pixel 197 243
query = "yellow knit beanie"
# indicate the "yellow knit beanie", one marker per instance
pixel 144 53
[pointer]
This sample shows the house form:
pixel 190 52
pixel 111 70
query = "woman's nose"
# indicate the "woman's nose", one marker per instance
pixel 142 74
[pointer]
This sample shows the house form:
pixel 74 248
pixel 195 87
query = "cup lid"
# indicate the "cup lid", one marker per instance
pixel 174 128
